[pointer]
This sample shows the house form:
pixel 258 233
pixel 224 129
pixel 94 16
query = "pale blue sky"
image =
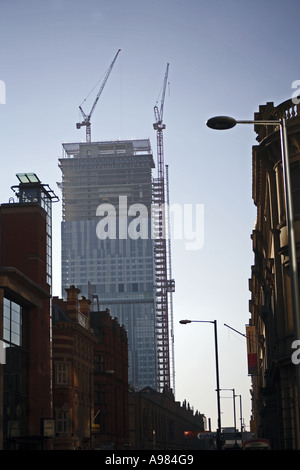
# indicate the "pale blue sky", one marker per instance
pixel 226 57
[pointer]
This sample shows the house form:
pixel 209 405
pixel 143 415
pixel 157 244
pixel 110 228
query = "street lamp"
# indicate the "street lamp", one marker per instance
pixel 184 322
pixel 226 122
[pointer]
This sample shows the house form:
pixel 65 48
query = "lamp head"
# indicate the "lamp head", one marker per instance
pixel 184 322
pixel 221 122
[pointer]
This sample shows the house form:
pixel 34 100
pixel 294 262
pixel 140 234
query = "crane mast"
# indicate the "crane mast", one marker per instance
pixel 87 117
pixel 159 127
pixel 163 286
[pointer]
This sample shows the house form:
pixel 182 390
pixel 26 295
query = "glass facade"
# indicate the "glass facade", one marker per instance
pixel 15 382
pixel 112 259
pixel 12 323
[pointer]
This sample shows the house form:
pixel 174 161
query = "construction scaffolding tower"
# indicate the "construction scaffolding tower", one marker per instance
pixel 164 286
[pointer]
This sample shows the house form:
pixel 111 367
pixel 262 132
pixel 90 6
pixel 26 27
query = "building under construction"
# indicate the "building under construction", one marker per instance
pixel 107 256
pixel 115 241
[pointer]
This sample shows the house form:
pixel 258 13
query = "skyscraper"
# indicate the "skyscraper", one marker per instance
pixel 107 245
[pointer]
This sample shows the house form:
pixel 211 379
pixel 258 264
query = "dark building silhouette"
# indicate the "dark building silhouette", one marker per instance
pixel 274 392
pixel 158 422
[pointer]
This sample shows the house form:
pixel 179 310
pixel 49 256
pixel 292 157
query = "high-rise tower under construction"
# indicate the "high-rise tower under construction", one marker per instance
pixel 114 246
pixel 107 245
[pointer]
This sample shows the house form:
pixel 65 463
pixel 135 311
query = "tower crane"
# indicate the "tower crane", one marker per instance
pixel 159 127
pixel 160 256
pixel 87 117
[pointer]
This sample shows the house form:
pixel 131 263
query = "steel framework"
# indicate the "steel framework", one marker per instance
pixel 163 286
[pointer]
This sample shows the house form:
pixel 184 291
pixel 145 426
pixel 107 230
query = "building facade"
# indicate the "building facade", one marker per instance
pixel 25 320
pixel 107 248
pixel 158 422
pixel 110 425
pixel 90 376
pixel 73 372
pixel 271 327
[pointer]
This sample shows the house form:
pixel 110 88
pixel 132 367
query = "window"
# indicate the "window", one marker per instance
pixel 62 421
pixel 12 322
pixel 61 374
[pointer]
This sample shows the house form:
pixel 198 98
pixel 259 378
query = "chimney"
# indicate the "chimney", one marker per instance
pixel 72 302
pixel 84 306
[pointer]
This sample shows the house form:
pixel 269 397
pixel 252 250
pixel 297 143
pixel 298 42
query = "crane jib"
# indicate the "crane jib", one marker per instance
pixel 87 118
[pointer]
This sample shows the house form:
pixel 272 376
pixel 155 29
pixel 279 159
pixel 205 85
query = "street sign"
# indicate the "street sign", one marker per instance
pixel 207 435
pixel 224 436
pixel 231 436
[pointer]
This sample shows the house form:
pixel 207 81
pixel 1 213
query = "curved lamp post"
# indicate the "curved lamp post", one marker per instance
pixel 184 322
pixel 226 122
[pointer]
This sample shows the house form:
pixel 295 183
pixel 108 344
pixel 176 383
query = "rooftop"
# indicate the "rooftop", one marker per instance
pixel 134 147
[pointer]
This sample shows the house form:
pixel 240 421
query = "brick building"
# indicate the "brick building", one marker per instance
pixel 66 387
pixel 25 292
pixel 111 427
pixel 90 376
pixel 73 369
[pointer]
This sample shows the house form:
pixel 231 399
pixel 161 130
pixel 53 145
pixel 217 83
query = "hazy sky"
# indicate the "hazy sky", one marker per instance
pixel 226 57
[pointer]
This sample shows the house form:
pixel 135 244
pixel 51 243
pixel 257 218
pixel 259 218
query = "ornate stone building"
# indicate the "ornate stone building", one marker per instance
pixel 73 372
pixel 274 393
pixel 90 376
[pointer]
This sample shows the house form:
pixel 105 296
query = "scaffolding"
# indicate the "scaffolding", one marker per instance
pixel 162 256
pixel 170 287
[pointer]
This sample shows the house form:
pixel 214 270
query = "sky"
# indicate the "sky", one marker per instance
pixel 226 57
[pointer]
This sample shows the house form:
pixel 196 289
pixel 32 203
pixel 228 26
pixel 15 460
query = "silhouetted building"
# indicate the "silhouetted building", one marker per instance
pixel 271 328
pixel 158 422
